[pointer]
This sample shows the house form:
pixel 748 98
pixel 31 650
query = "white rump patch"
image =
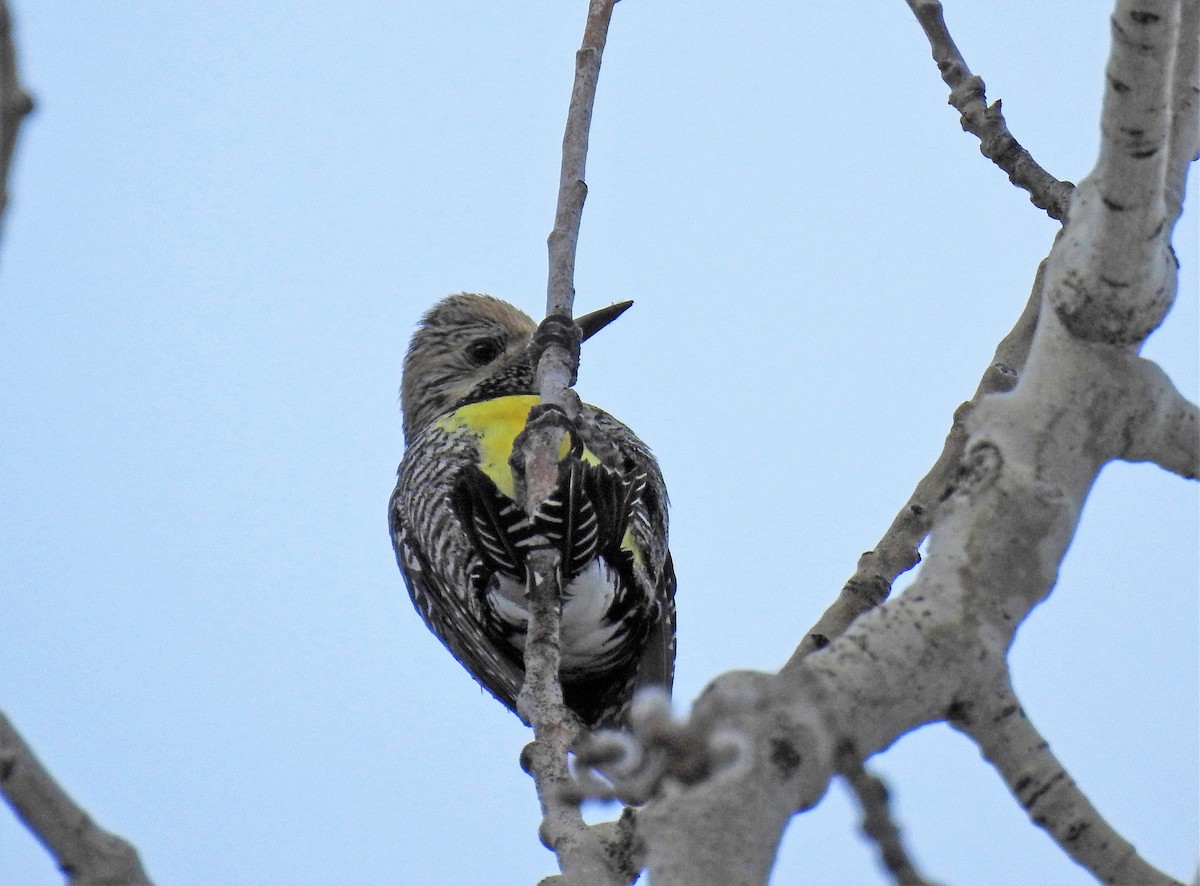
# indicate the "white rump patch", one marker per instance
pixel 586 637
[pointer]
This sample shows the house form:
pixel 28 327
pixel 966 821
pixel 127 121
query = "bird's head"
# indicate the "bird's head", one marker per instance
pixel 470 348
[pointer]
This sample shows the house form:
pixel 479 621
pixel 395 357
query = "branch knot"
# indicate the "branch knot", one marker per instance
pixel 562 332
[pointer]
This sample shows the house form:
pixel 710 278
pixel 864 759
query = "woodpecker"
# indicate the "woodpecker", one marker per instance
pixel 461 539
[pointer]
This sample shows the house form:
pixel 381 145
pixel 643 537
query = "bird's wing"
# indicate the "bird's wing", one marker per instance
pixel 499 529
pixel 657 666
pixel 644 513
pixel 444 602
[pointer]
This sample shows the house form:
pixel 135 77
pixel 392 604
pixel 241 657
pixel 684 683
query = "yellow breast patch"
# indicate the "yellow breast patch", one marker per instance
pixel 496 423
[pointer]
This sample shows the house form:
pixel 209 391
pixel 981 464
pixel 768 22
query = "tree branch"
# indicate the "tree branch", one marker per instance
pixel 967 95
pixel 1001 525
pixel 1113 277
pixel 85 852
pixel 15 103
pixel 1168 431
pixel 572 188
pixel 1001 531
pixel 1047 793
pixel 757 760
pixel 897 551
pixel 586 855
pixel 1185 115
pixel 878 825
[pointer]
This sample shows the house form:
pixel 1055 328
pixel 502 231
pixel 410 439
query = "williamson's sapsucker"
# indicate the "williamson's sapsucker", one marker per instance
pixel 461 540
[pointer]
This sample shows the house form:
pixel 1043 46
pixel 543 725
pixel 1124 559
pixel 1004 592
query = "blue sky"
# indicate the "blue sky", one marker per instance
pixel 225 221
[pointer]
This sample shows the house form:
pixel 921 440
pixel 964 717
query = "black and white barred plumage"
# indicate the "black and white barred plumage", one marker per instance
pixel 461 540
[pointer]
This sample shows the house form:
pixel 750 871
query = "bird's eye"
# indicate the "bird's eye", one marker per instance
pixel 483 351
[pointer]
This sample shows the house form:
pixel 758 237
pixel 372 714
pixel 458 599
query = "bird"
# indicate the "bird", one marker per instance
pixel 461 539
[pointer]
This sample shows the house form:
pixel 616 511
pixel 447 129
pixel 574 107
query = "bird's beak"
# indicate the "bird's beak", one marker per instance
pixel 592 323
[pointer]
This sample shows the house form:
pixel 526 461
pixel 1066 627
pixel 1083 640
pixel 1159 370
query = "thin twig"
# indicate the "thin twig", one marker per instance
pixel 897 551
pixel 968 96
pixel 584 854
pixel 878 824
pixel 15 103
pixel 572 188
pixel 85 852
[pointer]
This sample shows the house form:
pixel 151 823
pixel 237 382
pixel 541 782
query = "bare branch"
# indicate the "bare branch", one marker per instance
pixel 556 371
pixel 1185 109
pixel 558 338
pixel 877 824
pixel 1001 530
pixel 1112 277
pixel 1047 793
pixel 896 552
pixel 967 95
pixel 1111 318
pixel 15 103
pixel 586 855
pixel 85 852
pixel 1001 512
pixel 1168 431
